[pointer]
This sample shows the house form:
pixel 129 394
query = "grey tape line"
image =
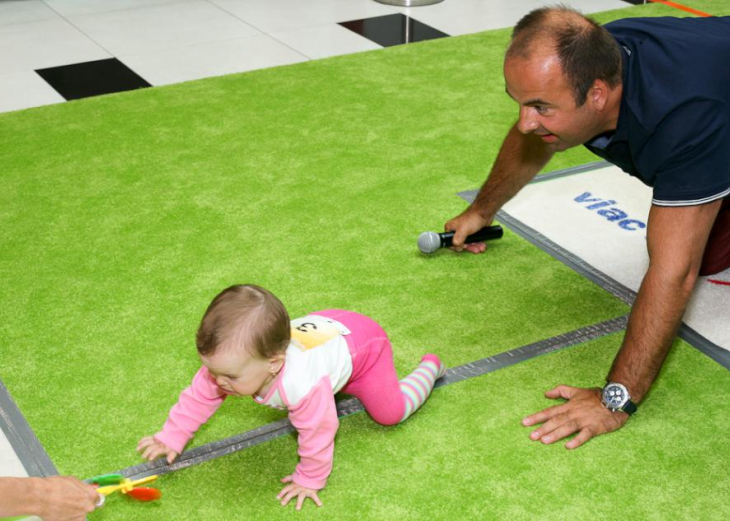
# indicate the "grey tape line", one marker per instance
pixel 230 445
pixel 714 351
pixel 211 451
pixel 350 406
pixel 573 261
pixel 627 295
pixel 22 439
pixel 508 358
pixel 570 171
pixel 616 289
pixel 470 195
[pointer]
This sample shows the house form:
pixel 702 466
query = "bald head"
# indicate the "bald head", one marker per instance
pixel 585 51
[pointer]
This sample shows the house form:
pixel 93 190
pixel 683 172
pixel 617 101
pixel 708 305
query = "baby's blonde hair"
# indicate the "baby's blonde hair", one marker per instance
pixel 245 316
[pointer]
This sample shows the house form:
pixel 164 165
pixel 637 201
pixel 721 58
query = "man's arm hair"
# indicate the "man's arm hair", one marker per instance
pixel 520 158
pixel 676 241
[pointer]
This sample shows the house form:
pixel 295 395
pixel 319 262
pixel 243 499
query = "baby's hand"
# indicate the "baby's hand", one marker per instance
pixel 293 490
pixel 152 449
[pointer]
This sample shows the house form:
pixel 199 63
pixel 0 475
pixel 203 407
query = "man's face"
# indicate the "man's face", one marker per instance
pixel 547 106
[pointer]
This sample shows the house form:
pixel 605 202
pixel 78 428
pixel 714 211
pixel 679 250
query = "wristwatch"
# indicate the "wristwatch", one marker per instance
pixel 616 397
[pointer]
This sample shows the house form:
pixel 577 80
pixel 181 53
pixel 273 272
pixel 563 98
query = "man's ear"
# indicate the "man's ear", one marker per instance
pixel 276 362
pixel 599 94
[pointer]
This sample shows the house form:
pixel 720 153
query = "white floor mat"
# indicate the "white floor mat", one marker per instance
pixel 600 217
pixel 10 465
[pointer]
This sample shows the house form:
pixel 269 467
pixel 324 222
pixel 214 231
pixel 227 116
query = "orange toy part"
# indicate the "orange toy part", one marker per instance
pixel 144 494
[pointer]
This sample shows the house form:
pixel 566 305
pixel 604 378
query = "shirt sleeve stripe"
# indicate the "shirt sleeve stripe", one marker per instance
pixel 692 202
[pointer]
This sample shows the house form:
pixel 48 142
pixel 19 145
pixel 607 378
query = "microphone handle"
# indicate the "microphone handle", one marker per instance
pixel 485 234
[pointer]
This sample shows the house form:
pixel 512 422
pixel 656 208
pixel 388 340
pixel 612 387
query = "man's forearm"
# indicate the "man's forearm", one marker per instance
pixel 676 239
pixel 19 496
pixel 520 158
pixel 655 318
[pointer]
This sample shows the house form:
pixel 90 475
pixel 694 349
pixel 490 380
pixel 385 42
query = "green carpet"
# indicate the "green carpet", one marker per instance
pixel 466 456
pixel 124 215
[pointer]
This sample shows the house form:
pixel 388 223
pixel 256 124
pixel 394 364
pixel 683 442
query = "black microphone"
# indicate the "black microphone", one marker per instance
pixel 429 242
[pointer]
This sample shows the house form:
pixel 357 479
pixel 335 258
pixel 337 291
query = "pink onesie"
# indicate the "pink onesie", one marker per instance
pixel 331 350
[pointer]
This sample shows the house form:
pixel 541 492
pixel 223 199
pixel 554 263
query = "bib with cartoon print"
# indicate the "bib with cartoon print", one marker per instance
pixel 313 331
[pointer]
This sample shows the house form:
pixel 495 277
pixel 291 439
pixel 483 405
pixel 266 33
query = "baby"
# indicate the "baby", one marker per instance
pixel 249 347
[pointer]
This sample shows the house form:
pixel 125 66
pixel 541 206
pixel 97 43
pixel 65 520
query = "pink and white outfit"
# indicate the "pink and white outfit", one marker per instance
pixel 330 351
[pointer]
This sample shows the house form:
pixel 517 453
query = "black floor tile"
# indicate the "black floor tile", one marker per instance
pixel 83 80
pixel 393 29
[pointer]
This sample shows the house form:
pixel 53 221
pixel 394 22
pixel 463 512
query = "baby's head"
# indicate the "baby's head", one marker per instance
pixel 243 337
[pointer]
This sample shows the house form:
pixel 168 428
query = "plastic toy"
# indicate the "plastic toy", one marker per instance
pixel 110 483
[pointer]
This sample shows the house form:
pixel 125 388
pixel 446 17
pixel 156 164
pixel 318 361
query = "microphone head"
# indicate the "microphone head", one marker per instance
pixel 429 242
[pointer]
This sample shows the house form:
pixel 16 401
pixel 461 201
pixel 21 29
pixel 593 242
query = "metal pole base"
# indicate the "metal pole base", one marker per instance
pixel 409 3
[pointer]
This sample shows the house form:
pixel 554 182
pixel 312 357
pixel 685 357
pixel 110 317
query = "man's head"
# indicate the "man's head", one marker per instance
pixel 243 337
pixel 565 72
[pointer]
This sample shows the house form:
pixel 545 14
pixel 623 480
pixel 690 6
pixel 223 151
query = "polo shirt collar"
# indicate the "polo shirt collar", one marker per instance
pixel 621 133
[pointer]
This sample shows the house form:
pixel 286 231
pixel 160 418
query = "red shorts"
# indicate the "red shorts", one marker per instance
pixel 717 251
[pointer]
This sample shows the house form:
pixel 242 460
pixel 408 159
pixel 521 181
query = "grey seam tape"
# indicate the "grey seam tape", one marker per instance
pixel 576 263
pixel 349 406
pixel 508 358
pixel 22 439
pixel 570 171
pixel 686 333
pixel 714 351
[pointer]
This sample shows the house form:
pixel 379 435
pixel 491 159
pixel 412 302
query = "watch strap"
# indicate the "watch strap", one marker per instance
pixel 629 408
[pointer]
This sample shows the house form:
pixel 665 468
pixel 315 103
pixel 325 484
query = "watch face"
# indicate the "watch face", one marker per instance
pixel 615 396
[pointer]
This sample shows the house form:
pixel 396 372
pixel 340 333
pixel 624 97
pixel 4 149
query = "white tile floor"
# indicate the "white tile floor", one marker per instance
pixel 170 41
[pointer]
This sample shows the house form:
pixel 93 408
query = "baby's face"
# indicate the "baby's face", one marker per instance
pixel 239 373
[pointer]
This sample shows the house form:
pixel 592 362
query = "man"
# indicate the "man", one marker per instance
pixel 651 96
pixel 53 499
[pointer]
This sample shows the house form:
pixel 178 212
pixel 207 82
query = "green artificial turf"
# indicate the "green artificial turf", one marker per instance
pixel 465 455
pixel 124 215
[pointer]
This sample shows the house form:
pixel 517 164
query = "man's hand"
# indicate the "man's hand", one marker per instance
pixel 465 224
pixel 292 490
pixel 65 498
pixel 152 449
pixel 583 413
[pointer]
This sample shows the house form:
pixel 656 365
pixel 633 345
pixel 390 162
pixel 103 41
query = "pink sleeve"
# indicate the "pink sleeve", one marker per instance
pixel 315 418
pixel 196 404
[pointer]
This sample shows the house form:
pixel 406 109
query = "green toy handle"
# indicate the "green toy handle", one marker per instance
pixel 106 479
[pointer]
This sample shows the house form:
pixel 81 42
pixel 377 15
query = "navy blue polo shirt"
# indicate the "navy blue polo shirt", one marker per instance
pixel 673 130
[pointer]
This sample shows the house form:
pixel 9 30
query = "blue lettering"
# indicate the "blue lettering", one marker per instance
pixel 627 224
pixel 613 214
pixel 600 205
pixel 585 197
